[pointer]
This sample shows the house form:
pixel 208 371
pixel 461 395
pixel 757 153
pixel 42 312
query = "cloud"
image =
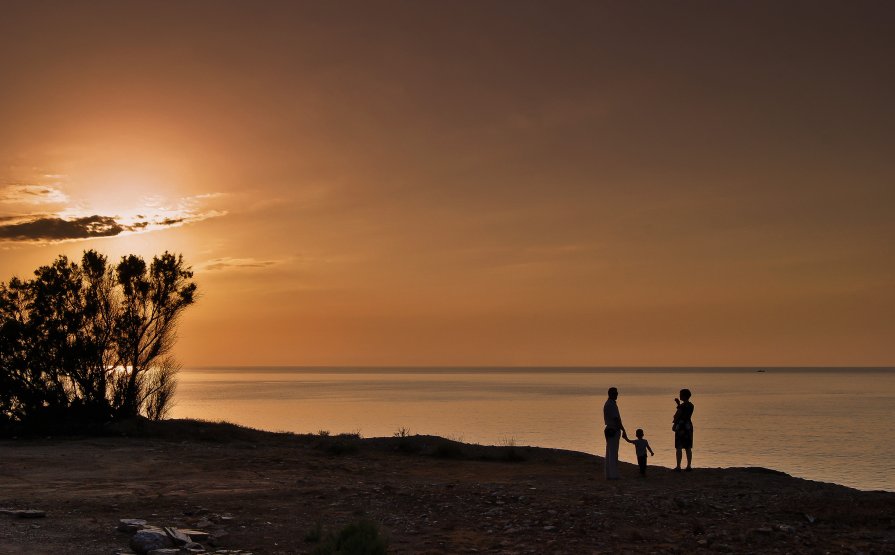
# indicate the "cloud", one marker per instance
pixel 58 229
pixel 236 263
pixel 32 194
pixel 54 228
pixel 73 220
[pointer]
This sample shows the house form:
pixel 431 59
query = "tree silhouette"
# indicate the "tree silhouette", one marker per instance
pixel 91 342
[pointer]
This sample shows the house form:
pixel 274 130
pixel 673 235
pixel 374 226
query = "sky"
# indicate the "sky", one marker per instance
pixel 469 183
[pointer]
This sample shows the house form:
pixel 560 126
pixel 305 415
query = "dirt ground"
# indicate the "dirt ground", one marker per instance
pixel 268 493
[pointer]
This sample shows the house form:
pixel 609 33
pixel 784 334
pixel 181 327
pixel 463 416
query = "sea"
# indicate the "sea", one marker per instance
pixel 826 424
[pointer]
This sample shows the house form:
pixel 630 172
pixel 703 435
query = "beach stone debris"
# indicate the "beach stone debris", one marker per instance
pixel 149 539
pixel 165 551
pixel 177 536
pixel 30 513
pixel 196 535
pixel 192 547
pixel 24 513
pixel 785 528
pixel 204 523
pixel 131 525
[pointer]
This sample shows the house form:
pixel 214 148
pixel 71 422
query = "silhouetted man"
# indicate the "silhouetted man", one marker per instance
pixel 613 431
pixel 683 429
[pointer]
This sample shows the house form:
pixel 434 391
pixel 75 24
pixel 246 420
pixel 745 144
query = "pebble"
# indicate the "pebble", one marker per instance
pixel 30 513
pixel 131 525
pixel 149 539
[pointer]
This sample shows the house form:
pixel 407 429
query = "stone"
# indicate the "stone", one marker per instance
pixel 204 523
pixel 131 525
pixel 165 551
pixel 177 535
pixel 149 539
pixel 30 513
pixel 196 535
pixel 785 528
pixel 192 547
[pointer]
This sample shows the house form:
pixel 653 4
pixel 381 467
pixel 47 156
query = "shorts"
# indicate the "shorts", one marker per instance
pixel 683 439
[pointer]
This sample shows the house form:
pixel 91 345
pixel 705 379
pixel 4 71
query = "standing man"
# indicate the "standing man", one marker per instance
pixel 683 429
pixel 613 420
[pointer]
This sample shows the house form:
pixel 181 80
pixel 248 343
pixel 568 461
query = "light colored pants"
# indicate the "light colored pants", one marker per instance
pixel 611 462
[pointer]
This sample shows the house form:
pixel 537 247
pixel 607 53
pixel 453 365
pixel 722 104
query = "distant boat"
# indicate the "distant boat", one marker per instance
pixel 759 370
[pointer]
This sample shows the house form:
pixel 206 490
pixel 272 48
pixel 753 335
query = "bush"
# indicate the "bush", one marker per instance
pixel 360 538
pixel 87 343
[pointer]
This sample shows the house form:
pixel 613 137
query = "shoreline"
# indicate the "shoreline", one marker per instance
pixel 426 494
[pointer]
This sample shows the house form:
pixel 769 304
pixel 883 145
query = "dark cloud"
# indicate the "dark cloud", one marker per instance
pixel 50 228
pixel 58 229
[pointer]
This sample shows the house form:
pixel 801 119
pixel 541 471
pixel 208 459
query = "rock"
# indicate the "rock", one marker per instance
pixel 196 535
pixel 177 535
pixel 205 523
pixel 131 525
pixel 165 551
pixel 809 518
pixel 192 547
pixel 30 513
pixel 785 528
pixel 149 539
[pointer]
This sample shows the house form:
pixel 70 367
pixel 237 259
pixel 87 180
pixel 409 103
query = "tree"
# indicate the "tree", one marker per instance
pixel 90 342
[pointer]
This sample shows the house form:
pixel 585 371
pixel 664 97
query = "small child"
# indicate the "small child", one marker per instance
pixel 641 446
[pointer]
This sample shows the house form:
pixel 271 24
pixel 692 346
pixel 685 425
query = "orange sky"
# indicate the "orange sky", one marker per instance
pixel 470 183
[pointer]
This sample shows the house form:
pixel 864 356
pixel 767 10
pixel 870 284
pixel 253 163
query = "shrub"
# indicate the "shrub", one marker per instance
pixel 359 538
pixel 89 342
pixel 315 534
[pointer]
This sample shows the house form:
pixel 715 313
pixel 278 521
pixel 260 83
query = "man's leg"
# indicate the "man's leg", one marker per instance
pixel 611 461
pixel 678 456
pixel 689 458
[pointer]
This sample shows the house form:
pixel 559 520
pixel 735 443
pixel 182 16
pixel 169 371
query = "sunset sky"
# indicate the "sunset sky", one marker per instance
pixel 470 183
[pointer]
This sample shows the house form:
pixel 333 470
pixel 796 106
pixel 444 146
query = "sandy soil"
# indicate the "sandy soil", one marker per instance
pixel 264 493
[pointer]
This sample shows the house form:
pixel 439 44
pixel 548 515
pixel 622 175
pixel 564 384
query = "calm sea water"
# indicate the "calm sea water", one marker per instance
pixel 833 425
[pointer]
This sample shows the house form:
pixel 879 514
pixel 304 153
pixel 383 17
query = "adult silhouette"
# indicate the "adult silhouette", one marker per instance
pixel 613 432
pixel 683 429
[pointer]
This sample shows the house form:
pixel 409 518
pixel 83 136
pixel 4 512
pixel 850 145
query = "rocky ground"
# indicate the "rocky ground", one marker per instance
pixel 279 493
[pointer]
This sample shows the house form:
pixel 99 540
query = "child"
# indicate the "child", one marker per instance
pixel 641 446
